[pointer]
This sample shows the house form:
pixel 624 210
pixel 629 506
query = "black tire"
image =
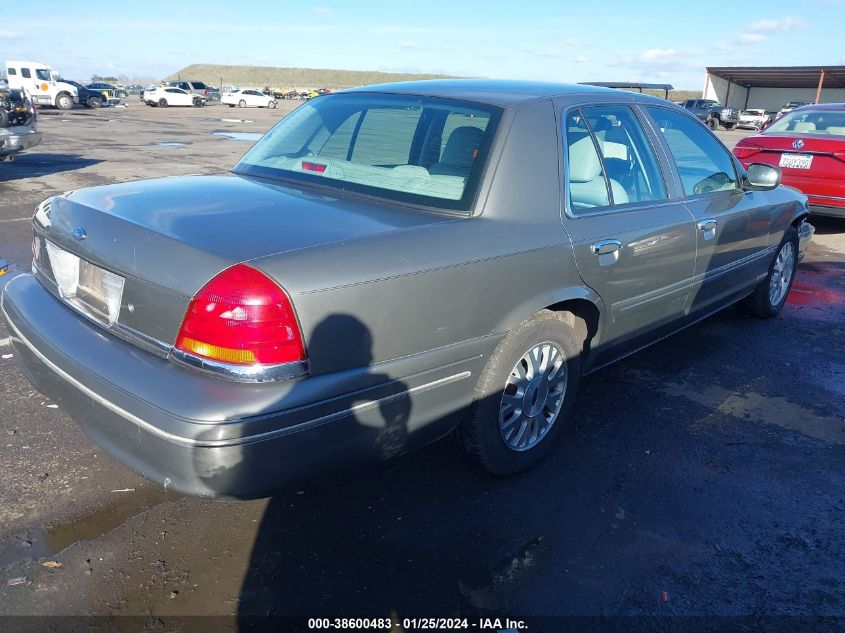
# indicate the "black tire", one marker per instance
pixel 64 101
pixel 231 105
pixel 241 103
pixel 730 126
pixel 479 435
pixel 272 105
pixel 162 103
pixel 94 102
pixel 713 123
pixel 760 303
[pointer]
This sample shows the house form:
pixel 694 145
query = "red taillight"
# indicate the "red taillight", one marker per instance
pixel 744 151
pixel 241 317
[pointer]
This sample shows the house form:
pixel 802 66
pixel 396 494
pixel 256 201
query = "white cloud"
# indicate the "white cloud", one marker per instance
pixel 408 45
pixel 780 25
pixel 322 10
pixel 749 38
pixel 659 56
pixel 10 35
pixel 581 59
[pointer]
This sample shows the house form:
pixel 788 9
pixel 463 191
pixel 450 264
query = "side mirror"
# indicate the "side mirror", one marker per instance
pixel 761 177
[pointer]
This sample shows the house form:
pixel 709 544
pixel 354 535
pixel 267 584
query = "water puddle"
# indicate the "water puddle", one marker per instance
pixel 169 143
pixel 240 136
pixel 237 121
pixel 48 541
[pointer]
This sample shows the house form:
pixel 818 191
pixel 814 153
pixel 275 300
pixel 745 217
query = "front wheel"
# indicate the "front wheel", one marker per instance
pixel 713 123
pixel 64 101
pixel 241 103
pixel 770 296
pixel 94 102
pixel 272 105
pixel 730 126
pixel 524 395
pixel 162 103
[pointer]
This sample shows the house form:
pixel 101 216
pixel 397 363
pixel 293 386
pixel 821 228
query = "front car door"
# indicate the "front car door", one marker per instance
pixel 634 244
pixel 732 225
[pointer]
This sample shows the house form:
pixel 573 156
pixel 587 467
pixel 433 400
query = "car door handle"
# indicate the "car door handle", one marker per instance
pixel 607 251
pixel 708 228
pixel 605 247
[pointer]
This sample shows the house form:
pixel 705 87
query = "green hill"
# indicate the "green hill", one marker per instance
pixel 298 78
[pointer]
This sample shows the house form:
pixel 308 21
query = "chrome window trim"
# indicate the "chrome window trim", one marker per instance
pixel 635 205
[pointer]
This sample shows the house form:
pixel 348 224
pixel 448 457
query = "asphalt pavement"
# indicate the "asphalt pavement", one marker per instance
pixel 701 478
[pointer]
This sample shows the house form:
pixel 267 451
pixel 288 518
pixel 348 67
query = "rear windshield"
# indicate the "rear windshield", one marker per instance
pixel 420 150
pixel 828 122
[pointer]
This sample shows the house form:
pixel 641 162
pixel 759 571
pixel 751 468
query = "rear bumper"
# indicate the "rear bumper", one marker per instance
pixel 15 139
pixel 207 437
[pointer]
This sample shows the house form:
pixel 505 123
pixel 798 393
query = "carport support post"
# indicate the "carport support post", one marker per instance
pixel 819 89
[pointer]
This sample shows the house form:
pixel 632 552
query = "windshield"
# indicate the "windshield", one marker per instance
pixel 408 148
pixel 831 122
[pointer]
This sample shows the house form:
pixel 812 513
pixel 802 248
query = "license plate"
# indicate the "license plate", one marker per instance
pixel 796 161
pixel 90 289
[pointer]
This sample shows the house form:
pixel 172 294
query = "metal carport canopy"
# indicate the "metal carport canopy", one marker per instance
pixel 782 76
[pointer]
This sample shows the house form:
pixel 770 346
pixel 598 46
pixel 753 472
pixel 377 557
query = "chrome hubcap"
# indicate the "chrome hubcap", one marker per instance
pixel 533 397
pixel 782 273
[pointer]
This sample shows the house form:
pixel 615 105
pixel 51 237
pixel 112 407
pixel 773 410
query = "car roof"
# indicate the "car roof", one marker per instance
pixel 821 106
pixel 498 92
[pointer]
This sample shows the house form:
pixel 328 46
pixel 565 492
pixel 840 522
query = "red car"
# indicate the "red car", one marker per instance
pixel 808 144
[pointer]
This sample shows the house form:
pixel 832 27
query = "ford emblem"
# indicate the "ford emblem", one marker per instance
pixel 78 233
pixel 798 143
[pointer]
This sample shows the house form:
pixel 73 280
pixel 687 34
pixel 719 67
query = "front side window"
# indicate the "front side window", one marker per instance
pixel 42 74
pixel 408 148
pixel 703 163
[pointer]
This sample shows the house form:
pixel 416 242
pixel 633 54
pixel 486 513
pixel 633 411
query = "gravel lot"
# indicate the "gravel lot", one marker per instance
pixel 704 476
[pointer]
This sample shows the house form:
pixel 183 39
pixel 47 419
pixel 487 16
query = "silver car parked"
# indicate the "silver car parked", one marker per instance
pixel 386 266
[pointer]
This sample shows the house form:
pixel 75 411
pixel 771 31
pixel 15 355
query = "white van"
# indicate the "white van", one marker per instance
pixel 42 83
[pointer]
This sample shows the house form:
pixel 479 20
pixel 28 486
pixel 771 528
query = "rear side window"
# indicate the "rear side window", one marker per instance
pixel 588 185
pixel 25 73
pixel 628 156
pixel 198 85
pixel 703 163
pixel 409 148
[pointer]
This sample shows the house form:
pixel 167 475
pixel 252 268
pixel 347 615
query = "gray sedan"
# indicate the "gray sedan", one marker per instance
pixel 386 266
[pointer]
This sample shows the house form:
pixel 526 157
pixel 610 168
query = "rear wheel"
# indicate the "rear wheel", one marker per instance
pixel 241 103
pixel 524 395
pixel 162 103
pixel 713 123
pixel 770 295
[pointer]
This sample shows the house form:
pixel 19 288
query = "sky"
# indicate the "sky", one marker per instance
pixel 645 41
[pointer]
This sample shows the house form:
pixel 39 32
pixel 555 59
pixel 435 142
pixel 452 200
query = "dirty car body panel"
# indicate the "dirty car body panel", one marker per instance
pixel 400 299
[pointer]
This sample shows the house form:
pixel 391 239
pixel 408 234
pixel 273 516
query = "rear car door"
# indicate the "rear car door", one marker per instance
pixel 634 245
pixel 732 225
